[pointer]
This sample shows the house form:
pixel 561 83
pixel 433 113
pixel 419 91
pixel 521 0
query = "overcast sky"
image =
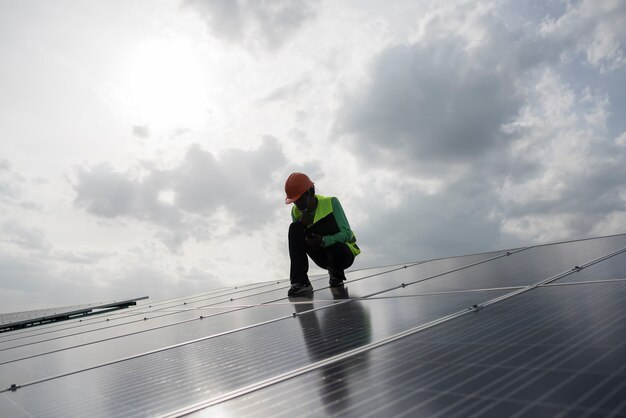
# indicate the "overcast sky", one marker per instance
pixel 144 144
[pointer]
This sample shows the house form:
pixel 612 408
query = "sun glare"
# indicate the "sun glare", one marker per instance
pixel 166 86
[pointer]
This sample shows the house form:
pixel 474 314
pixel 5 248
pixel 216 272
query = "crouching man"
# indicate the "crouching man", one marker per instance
pixel 319 230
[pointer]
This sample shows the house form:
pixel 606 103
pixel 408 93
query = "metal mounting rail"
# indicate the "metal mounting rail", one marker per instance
pixel 584 282
pixel 575 269
pixel 361 298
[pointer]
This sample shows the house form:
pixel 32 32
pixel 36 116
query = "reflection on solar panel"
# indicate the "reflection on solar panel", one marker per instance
pixel 535 331
pixel 17 320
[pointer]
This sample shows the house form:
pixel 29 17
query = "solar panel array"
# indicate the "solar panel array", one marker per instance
pixel 537 331
pixel 17 320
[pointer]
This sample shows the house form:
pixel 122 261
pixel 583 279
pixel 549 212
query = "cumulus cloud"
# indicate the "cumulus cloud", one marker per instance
pixel 23 273
pixel 270 23
pixel 287 92
pixel 86 257
pixel 483 133
pixel 14 188
pixel 29 282
pixel 579 174
pixel 25 237
pixel 422 107
pixel 192 198
pixel 592 28
pixel 439 100
pixel 422 226
pixel 141 131
pixel 11 182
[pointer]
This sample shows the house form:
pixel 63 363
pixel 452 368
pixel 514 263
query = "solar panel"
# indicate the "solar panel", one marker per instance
pixel 406 339
pixel 136 328
pixel 612 268
pixel 18 320
pixel 163 307
pixel 534 355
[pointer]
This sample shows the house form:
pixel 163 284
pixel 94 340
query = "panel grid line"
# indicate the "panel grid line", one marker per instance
pixel 617 389
pixel 400 359
pixel 572 309
pixel 510 379
pixel 314 366
pixel 485 371
pixel 256 387
pixel 443 365
pixel 446 377
pixel 599 386
pixel 622 405
pixel 566 381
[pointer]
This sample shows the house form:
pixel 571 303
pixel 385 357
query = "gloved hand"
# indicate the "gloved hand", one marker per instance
pixel 314 241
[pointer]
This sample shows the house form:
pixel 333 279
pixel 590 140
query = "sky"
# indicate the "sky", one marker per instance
pixel 144 145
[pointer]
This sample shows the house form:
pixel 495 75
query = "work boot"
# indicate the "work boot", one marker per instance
pixel 299 289
pixel 337 278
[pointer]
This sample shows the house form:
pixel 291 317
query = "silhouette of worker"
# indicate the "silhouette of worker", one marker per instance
pixel 319 230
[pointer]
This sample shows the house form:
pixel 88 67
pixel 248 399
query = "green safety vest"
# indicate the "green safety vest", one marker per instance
pixel 324 209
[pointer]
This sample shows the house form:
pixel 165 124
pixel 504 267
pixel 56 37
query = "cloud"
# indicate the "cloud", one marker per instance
pixel 422 226
pixel 444 97
pixel 11 182
pixel 270 23
pixel 14 188
pixel 141 131
pixel 287 93
pixel 29 282
pixel 107 193
pixel 592 28
pixel 437 101
pixel 25 237
pixel 580 172
pixel 88 257
pixel 194 197
pixel 481 140
pixel 23 273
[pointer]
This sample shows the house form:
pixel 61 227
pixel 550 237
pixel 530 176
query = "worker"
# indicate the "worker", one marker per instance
pixel 319 230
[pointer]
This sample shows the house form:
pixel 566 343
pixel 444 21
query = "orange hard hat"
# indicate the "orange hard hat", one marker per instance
pixel 296 185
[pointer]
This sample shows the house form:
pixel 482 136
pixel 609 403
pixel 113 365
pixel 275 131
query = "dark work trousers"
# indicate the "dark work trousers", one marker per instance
pixel 334 258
